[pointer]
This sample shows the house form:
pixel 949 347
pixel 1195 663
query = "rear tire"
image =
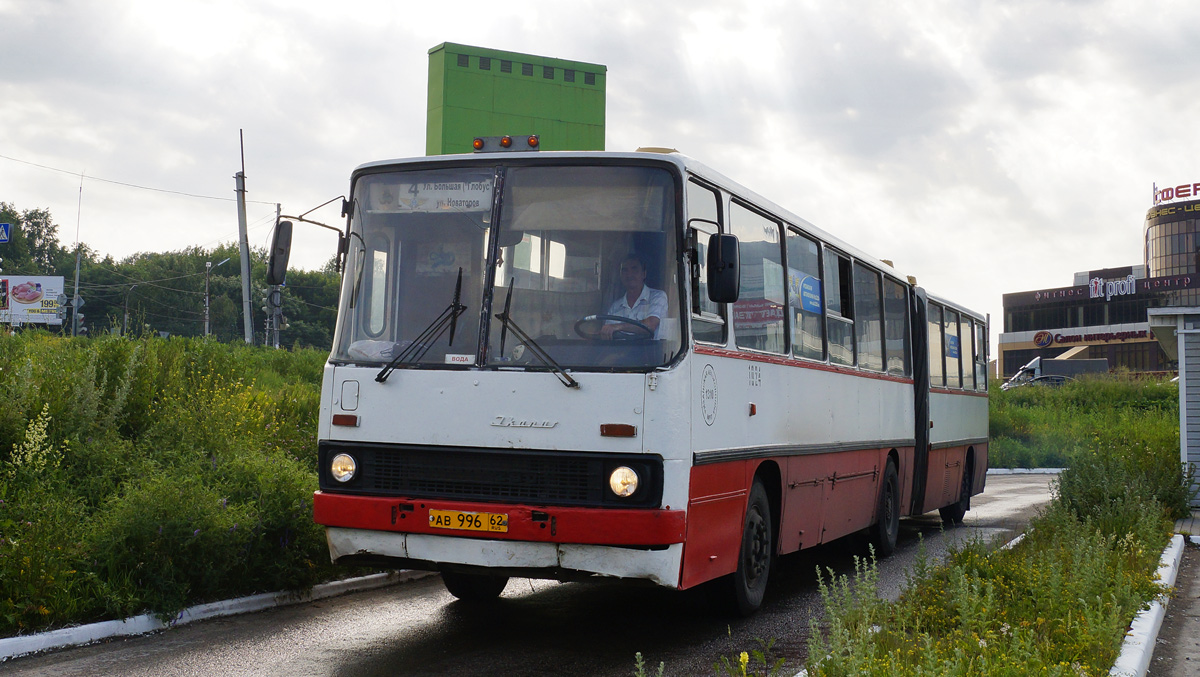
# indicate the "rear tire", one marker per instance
pixel 474 587
pixel 886 529
pixel 756 555
pixel 953 514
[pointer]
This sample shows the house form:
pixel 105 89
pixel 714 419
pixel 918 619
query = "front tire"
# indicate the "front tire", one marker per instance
pixel 757 553
pixel 474 587
pixel 886 529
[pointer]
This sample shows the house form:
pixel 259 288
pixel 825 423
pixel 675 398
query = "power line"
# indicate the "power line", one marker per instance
pixel 130 185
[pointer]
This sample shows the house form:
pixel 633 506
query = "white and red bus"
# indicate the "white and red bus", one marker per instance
pixel 489 411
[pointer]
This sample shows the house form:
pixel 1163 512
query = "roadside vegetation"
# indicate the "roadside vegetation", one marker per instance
pixel 1041 427
pixel 1060 602
pixel 151 474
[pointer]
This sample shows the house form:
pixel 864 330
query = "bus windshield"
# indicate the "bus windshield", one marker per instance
pixel 577 267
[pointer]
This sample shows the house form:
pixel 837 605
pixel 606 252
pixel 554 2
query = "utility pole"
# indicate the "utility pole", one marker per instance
pixel 240 189
pixel 208 266
pixel 76 301
pixel 125 325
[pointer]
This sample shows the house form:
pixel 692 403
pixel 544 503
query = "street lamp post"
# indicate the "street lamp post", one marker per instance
pixel 125 325
pixel 208 266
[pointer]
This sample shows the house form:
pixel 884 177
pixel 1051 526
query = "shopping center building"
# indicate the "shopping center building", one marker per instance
pixel 1104 313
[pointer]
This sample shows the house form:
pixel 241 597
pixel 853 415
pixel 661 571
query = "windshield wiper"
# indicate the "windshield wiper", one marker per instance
pixel 532 345
pixel 429 336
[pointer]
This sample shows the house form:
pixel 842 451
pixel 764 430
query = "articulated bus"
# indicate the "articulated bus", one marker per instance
pixel 572 364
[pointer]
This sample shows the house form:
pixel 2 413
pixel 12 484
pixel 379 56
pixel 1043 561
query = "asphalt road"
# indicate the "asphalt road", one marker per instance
pixel 539 627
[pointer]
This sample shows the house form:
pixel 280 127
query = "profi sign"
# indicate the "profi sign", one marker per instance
pixel 1162 195
pixel 1109 288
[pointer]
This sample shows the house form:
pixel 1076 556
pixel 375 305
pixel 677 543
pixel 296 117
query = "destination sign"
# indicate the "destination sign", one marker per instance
pixel 431 197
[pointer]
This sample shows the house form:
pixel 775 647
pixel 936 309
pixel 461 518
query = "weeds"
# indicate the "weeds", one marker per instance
pixel 152 474
pixel 1059 603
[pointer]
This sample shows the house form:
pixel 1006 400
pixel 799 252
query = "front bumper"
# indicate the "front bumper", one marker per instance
pixel 549 524
pixel 541 542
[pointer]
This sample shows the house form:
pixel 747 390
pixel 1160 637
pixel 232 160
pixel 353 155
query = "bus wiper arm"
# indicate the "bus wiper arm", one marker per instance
pixel 448 319
pixel 538 351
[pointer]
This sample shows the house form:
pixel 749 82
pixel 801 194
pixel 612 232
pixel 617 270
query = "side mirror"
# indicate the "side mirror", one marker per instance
pixel 281 249
pixel 724 265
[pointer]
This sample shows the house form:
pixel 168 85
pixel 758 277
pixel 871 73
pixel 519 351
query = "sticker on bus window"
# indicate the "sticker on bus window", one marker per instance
pixel 460 359
pixel 952 347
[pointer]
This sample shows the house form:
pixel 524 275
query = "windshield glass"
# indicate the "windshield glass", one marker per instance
pixel 413 234
pixel 589 254
pixel 581 273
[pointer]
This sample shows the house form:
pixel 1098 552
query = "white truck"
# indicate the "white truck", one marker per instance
pixel 1054 372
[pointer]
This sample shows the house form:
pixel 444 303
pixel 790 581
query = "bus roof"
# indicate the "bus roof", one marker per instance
pixel 686 165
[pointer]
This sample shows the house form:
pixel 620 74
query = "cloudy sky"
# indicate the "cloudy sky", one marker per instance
pixel 985 147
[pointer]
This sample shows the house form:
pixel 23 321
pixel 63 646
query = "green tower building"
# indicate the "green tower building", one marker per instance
pixel 486 92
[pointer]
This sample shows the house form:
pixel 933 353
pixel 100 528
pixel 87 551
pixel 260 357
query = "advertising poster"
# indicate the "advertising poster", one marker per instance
pixel 30 300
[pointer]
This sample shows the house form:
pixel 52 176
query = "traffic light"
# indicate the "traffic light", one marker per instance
pixel 79 329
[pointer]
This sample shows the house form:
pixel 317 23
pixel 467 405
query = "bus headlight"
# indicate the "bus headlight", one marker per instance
pixel 343 467
pixel 623 481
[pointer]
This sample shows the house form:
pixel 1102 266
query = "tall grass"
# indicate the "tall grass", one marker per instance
pixel 1059 603
pixel 152 474
pixel 1040 427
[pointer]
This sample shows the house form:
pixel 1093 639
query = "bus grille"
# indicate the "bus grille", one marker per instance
pixel 490 475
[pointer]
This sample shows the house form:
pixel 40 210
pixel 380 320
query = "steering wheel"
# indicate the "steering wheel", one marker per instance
pixel 640 331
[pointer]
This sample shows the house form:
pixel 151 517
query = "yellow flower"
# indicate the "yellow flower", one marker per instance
pixel 744 660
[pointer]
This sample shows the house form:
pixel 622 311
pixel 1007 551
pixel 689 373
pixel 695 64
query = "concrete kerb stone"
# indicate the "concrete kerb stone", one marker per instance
pixel 22 645
pixel 1134 659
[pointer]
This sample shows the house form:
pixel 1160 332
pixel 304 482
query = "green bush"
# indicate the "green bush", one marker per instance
pixel 151 474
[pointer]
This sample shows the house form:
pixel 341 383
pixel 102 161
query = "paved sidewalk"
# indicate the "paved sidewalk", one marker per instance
pixel 1177 648
pixel 1189 526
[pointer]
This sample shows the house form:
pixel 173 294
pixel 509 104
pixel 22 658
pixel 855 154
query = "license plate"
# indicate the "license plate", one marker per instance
pixel 469 521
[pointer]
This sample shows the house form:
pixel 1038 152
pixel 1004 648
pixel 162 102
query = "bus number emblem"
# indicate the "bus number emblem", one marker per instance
pixel 708 395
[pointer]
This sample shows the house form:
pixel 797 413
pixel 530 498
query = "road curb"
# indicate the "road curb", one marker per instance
pixel 1024 471
pixel 1134 659
pixel 22 645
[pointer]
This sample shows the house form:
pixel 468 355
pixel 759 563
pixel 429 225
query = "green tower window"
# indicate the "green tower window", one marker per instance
pixel 463 61
pixel 548 72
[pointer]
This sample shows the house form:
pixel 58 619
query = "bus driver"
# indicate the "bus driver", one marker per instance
pixel 639 302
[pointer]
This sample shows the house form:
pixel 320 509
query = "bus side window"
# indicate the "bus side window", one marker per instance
pixel 758 315
pixel 937 369
pixel 953 350
pixel 896 329
pixel 839 313
pixel 804 296
pixel 968 353
pixel 868 316
pixel 708 317
pixel 981 356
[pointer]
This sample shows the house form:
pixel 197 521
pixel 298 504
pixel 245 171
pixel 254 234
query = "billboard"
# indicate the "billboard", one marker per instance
pixel 30 299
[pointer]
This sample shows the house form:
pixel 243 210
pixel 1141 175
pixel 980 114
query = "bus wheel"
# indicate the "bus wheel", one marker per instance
pixel 887 528
pixel 756 555
pixel 474 587
pixel 953 514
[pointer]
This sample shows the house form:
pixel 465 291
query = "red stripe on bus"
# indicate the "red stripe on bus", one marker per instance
pixel 790 362
pixel 590 526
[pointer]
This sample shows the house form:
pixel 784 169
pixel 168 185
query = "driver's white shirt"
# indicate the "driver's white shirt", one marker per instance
pixel 650 303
